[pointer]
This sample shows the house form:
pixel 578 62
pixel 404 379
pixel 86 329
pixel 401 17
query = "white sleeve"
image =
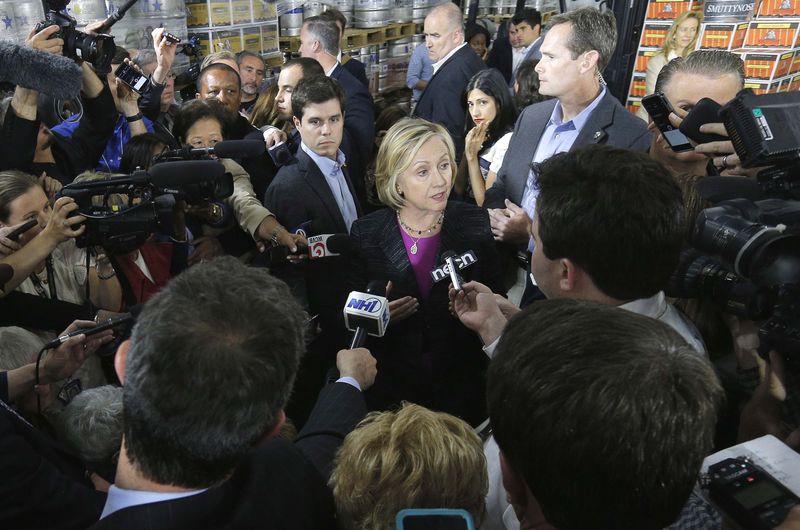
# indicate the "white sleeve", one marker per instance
pixel 500 148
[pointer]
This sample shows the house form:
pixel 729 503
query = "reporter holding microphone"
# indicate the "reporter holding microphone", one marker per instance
pixel 426 356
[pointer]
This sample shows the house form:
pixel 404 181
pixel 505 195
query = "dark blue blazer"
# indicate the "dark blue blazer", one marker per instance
pixel 443 99
pixel 429 358
pixel 359 127
pixel 356 67
pixel 280 485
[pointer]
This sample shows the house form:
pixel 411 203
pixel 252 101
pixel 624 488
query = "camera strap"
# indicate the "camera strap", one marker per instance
pixel 51 281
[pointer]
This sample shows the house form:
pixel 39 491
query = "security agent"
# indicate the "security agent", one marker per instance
pixel 205 382
pixel 603 417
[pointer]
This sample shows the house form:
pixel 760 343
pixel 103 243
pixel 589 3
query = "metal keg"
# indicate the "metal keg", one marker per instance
pixel 418 14
pixel 403 11
pixel 419 4
pixel 8 26
pixel 372 13
pixel 86 11
pixel 312 9
pixel 399 50
pixel 26 15
pixel 291 22
pixel 346 7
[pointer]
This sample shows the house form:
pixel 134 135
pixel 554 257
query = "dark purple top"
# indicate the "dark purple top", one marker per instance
pixel 423 261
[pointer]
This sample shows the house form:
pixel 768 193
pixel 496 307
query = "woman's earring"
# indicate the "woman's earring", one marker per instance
pixel 399 191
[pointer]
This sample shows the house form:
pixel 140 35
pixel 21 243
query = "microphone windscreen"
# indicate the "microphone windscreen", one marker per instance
pixel 240 148
pixel 177 174
pixel 44 72
pixel 339 243
pixel 376 287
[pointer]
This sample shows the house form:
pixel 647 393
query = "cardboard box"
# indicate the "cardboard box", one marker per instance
pixel 251 37
pixel 721 11
pixel 204 43
pixel 785 83
pixel 220 13
pixel 197 14
pixel 653 35
pixel 241 11
pixel 667 9
pixel 779 35
pixel 230 40
pixel 642 58
pixel 634 105
pixel 638 86
pixel 779 8
pixel 269 39
pixel 794 82
pixel 265 11
pixel 762 86
pixel 722 36
pixel 795 68
pixel 767 64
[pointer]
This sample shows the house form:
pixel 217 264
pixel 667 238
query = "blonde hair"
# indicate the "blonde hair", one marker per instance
pixel 673 31
pixel 410 458
pixel 399 147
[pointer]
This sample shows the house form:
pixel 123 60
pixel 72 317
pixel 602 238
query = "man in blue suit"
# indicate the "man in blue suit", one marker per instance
pixel 525 35
pixel 319 39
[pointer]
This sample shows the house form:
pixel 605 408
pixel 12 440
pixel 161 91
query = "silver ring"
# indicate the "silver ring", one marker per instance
pixel 725 161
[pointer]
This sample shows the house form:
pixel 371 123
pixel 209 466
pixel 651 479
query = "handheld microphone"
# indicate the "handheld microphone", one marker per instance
pixel 225 149
pixel 325 245
pixel 115 16
pixel 452 264
pixel 108 324
pixel 367 313
pixel 54 75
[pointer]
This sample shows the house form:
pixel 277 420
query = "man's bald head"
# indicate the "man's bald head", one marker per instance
pixel 444 30
pixel 450 14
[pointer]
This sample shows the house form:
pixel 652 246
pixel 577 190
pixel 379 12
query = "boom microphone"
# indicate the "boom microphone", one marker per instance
pixel 54 75
pixel 226 149
pixel 325 245
pixel 367 313
pixel 187 172
pixel 115 17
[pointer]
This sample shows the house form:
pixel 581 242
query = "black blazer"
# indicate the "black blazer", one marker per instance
pixel 279 486
pixel 43 484
pixel 300 195
pixel 429 358
pixel 443 99
pixel 356 67
pixel 359 127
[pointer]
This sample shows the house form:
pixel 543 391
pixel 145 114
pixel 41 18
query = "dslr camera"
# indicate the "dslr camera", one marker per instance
pixel 97 50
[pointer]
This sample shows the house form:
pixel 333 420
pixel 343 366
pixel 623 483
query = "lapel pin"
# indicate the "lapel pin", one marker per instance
pixel 598 135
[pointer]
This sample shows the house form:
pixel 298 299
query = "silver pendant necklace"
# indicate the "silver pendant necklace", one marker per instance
pixel 419 233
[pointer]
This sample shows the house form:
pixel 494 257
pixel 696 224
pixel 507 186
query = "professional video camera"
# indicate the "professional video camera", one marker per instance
pixel 98 50
pixel 757 242
pixel 149 198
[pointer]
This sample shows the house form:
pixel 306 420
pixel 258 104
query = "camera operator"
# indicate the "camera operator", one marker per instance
pixel 32 147
pixel 53 268
pixel 44 485
pixel 129 122
pixel 714 74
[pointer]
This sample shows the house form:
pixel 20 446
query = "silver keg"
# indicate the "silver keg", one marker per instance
pixel 403 11
pixel 8 24
pixel 26 15
pixel 87 11
pixel 372 13
pixel 312 9
pixel 291 21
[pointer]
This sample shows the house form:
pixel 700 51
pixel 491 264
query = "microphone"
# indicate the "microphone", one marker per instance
pixel 115 17
pixel 184 173
pixel 108 324
pixel 452 264
pixel 367 313
pixel 325 245
pixel 226 149
pixel 54 75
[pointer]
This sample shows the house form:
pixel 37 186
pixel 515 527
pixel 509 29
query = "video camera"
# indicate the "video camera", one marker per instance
pixel 746 254
pixel 149 199
pixel 98 50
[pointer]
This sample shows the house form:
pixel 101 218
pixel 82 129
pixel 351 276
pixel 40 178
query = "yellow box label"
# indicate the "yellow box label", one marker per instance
pixel 220 13
pixel 242 12
pixel 197 15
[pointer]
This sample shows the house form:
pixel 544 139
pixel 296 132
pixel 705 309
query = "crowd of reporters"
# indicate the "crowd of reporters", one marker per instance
pixel 557 387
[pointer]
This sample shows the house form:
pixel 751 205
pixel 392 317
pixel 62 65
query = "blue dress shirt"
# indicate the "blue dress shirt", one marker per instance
pixel 420 67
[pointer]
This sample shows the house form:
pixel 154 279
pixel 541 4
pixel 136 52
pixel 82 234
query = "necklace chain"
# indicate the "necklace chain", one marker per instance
pixel 429 230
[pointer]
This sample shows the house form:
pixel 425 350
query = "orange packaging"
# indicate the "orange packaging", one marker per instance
pixel 762 86
pixel 638 86
pixel 642 58
pixel 767 64
pixel 795 68
pixel 654 34
pixel 722 36
pixel 772 35
pixel 785 83
pixel 633 105
pixel 667 9
pixel 779 8
pixel 794 83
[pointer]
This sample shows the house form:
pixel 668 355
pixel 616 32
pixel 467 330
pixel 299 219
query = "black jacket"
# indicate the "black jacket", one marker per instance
pixel 429 358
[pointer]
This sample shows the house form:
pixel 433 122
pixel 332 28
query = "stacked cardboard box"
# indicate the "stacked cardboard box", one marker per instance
pixel 234 25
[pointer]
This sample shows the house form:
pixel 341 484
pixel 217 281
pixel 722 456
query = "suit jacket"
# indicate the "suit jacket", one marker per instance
pixel 356 67
pixel 43 484
pixel 279 486
pixel 443 99
pixel 359 126
pixel 534 53
pixel 429 358
pixel 300 195
pixel 500 57
pixel 610 123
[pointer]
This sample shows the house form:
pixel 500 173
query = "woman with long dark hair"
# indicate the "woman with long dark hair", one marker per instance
pixel 492 114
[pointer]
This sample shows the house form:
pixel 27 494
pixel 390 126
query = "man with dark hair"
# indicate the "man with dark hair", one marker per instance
pixel 575 50
pixel 205 382
pixel 524 33
pixel 602 417
pixel 319 39
pixel 714 74
pixel 454 64
pixel 292 73
pixel 252 70
pixel 352 65
pixel 315 194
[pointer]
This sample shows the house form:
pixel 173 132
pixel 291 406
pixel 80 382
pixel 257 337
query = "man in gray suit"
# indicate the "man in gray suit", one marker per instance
pixel 525 35
pixel 575 50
